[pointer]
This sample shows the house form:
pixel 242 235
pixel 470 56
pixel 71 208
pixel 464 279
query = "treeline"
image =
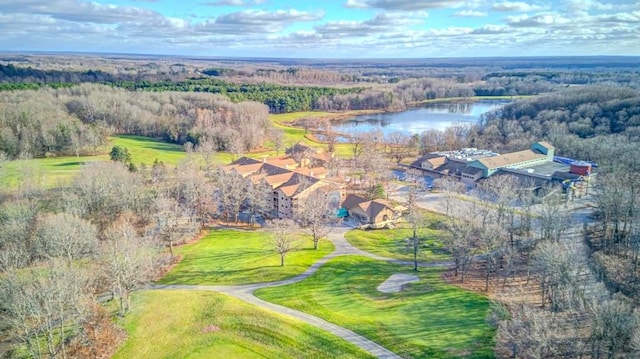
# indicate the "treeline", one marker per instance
pixel 15 74
pixel 278 98
pixel 78 120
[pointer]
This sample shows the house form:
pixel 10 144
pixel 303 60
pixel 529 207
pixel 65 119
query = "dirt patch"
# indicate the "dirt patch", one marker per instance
pixel 395 282
pixel 211 328
pixel 516 286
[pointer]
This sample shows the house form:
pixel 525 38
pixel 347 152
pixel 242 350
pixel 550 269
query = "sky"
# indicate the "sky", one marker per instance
pixel 324 28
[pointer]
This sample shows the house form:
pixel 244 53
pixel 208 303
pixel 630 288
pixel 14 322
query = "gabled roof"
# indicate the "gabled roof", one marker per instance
pixel 297 184
pixel 425 157
pixel 242 161
pixel 352 200
pixel 546 144
pixel 510 158
pixel 277 180
pixel 371 208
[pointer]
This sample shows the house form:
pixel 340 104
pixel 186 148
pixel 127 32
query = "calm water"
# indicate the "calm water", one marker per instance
pixel 431 116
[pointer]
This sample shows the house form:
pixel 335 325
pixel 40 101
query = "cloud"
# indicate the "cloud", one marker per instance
pixel 256 21
pixel 380 24
pixel 491 30
pixel 516 6
pixel 470 13
pixel 404 5
pixel 233 3
pixel 80 11
pixel 538 20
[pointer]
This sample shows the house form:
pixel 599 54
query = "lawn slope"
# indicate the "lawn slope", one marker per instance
pixel 194 324
pixel 228 256
pixel 429 319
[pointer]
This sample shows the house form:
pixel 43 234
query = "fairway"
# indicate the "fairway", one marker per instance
pixel 171 324
pixel 428 319
pixel 228 256
pixel 391 243
pixel 51 172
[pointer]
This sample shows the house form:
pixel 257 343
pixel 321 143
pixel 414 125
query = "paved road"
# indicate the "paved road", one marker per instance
pixel 342 247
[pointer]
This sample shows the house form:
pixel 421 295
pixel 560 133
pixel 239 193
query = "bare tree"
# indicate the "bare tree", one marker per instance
pixel 128 261
pixel 400 145
pixel 315 216
pixel 451 189
pixel 416 220
pixel 257 199
pixel 613 325
pixel 528 332
pixel 172 226
pixel 461 239
pixel 559 267
pixel 41 306
pixel 491 242
pixel 277 137
pixel 231 193
pixel 554 219
pixel 65 236
pixel 281 238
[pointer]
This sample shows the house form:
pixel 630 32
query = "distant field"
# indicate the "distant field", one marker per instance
pixel 227 256
pixel 171 324
pixel 428 319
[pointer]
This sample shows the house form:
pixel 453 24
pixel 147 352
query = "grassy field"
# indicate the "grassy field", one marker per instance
pixel 239 257
pixel 391 243
pixel 50 172
pixel 171 324
pixel 428 319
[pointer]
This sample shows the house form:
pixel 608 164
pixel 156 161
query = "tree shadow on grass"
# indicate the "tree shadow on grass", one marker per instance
pixel 68 164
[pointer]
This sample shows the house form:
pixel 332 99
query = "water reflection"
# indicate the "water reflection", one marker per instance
pixel 416 120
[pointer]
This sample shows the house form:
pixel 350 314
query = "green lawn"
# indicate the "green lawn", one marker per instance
pixel 50 172
pixel 227 256
pixel 429 319
pixel 391 243
pixel 146 150
pixel 170 324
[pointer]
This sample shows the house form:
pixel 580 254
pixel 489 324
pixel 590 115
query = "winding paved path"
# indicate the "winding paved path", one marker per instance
pixel 342 248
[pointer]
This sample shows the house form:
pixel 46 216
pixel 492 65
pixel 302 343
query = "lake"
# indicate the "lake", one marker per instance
pixel 415 120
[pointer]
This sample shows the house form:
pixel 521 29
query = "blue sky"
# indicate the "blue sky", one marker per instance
pixel 324 29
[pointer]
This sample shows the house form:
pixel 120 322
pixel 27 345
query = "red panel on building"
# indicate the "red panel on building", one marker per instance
pixel 581 168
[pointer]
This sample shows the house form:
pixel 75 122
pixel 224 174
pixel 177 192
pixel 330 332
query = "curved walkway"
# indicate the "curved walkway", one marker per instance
pixel 342 247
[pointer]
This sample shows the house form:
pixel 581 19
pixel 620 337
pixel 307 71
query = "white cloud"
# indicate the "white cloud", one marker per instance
pixel 404 5
pixel 470 13
pixel 233 2
pixel 538 20
pixel 515 6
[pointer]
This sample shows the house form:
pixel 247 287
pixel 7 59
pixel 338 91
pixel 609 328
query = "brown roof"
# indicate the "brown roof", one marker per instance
pixel 352 200
pixel 510 158
pixel 316 171
pixel 242 161
pixel 438 161
pixel 425 157
pixel 546 144
pixel 277 180
pixel 288 163
pixel 289 190
pixel 371 208
pixel 245 170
